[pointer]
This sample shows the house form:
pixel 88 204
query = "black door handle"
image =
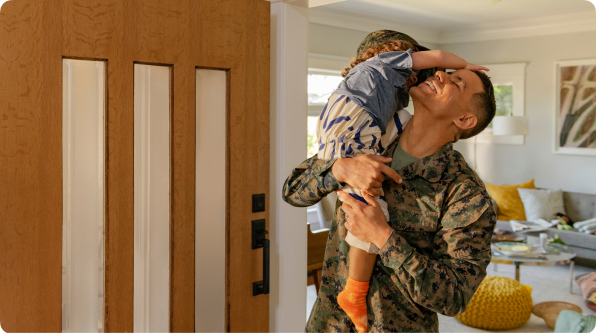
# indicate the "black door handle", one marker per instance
pixel 259 239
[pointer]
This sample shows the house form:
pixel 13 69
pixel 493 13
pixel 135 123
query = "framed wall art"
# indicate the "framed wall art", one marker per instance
pixel 575 119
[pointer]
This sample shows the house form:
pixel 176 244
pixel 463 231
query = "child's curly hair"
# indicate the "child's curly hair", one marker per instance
pixel 395 45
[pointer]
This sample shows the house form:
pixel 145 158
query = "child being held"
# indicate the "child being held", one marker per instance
pixel 363 116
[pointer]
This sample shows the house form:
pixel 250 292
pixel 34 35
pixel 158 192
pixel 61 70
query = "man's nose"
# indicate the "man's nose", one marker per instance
pixel 442 76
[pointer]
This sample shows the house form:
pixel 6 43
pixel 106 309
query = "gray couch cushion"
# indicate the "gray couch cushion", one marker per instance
pixel 579 206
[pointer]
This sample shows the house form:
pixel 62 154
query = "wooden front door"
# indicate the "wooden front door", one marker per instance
pixel 186 35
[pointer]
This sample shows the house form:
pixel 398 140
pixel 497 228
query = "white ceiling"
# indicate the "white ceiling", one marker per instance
pixel 445 21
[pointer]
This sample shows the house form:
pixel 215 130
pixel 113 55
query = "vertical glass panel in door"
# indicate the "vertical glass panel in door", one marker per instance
pixel 152 98
pixel 210 206
pixel 83 154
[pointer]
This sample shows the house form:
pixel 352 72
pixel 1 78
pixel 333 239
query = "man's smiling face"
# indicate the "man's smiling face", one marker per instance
pixel 448 94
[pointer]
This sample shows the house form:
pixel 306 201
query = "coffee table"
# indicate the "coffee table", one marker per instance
pixel 564 256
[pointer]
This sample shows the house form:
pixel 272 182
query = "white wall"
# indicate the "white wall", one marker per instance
pixel 333 41
pixel 328 40
pixel 512 164
pixel 332 47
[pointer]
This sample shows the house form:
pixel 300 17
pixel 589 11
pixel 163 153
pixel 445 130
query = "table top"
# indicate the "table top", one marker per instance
pixel 564 256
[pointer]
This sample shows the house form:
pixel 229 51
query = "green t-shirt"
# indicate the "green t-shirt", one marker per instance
pixel 401 158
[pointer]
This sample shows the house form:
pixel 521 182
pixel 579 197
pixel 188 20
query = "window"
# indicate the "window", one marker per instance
pixel 321 85
pixel 311 137
pixel 504 100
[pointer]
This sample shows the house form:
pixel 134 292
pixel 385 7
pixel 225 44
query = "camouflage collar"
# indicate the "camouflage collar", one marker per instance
pixel 430 168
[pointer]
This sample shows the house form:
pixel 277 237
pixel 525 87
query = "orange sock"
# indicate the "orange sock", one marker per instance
pixel 353 301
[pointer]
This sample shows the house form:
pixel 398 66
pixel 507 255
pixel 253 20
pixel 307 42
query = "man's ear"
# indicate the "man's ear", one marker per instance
pixel 466 121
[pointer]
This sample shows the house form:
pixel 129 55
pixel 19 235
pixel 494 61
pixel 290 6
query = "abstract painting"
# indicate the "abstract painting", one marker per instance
pixel 576 107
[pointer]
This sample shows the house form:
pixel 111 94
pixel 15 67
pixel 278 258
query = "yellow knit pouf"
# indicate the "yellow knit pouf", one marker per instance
pixel 499 303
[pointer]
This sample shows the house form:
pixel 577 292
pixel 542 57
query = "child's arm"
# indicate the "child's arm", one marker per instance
pixel 440 58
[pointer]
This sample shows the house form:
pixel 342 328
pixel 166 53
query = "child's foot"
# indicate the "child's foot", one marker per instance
pixel 353 301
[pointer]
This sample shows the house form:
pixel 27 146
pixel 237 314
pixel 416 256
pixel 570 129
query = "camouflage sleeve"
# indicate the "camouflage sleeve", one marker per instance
pixel 310 182
pixel 446 280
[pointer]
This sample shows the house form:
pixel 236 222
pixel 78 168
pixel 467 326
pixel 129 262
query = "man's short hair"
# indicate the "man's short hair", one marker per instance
pixel 484 107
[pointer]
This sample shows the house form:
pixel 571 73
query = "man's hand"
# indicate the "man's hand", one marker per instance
pixel 365 172
pixel 365 222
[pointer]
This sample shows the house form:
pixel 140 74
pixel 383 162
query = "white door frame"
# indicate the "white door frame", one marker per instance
pixel 289 69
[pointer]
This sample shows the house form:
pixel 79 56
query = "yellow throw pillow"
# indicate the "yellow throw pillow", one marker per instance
pixel 508 201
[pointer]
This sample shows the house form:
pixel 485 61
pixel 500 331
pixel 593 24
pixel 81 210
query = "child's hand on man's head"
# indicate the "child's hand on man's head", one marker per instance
pixel 473 67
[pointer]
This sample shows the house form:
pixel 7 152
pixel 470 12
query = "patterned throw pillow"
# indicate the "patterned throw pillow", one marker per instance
pixel 508 200
pixel 587 284
pixel 541 203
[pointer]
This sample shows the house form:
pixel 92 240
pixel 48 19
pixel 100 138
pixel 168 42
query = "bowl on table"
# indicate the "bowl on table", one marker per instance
pixel 549 311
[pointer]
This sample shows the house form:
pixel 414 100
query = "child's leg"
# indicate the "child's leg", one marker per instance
pixel 345 130
pixel 353 298
pixel 361 262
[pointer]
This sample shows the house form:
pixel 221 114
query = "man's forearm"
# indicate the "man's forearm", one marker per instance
pixel 310 182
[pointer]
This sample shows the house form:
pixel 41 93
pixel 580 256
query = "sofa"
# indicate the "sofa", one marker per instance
pixel 579 207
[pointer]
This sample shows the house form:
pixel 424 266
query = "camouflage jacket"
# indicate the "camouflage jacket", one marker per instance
pixel 434 259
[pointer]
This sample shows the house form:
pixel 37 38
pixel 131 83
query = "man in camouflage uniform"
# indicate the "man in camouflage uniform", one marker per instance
pixel 436 246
